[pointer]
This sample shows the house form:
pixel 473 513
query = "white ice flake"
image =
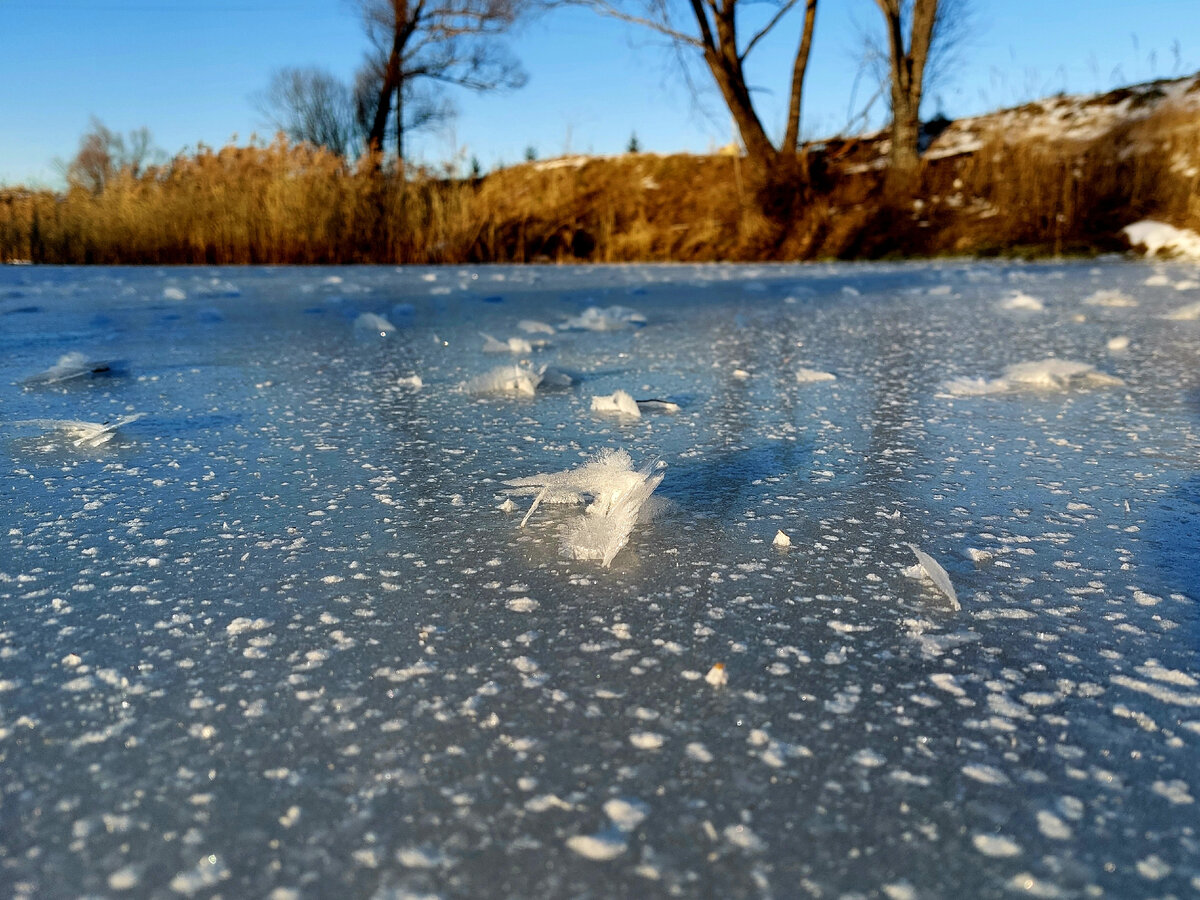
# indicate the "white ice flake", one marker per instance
pixel 1018 300
pixel 1039 375
pixel 514 345
pixel 598 847
pixel 70 367
pixel 996 846
pixel 518 380
pixel 646 740
pixel 372 323
pixel 614 491
pixel 717 676
pixel 83 434
pixel 1110 298
pixel 813 376
pixel 618 403
pixel 1189 313
pixel 611 318
pixel 626 815
pixel 937 575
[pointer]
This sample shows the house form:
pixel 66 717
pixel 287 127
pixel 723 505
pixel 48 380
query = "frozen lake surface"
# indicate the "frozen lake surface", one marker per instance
pixel 285 636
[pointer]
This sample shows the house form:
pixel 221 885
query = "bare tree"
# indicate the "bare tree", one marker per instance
pixel 103 153
pixel 411 106
pixel 712 28
pixel 908 56
pixel 419 45
pixel 313 105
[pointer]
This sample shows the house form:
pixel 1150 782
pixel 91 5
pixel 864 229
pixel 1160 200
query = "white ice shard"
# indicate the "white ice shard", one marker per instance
pixel 812 376
pixel 533 326
pixel 512 345
pixel 614 491
pixel 653 404
pixel 1018 300
pixel 83 434
pixel 717 676
pixel 1188 313
pixel 412 381
pixel 937 575
pixel 618 403
pixel 69 367
pixel 1110 298
pixel 505 380
pixel 781 540
pixel 1045 374
pixel 553 377
pixel 609 318
pixel 371 322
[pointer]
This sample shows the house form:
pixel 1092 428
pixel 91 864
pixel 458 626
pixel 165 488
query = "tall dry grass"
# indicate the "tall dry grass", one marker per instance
pixel 281 203
pixel 1056 196
pixel 284 203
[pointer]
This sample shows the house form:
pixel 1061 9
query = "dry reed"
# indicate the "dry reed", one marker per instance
pixel 295 204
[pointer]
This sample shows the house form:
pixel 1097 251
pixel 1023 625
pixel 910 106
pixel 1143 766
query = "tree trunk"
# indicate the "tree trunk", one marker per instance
pixel 721 56
pixel 906 135
pixel 761 154
pixel 400 126
pixel 383 103
pixel 791 137
pixel 908 79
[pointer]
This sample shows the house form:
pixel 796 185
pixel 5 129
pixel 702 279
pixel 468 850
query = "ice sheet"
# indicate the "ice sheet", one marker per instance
pixel 286 636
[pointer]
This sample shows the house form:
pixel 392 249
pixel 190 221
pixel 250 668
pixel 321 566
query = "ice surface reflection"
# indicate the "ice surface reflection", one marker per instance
pixel 281 636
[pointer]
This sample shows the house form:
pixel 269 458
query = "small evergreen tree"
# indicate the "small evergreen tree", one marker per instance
pixel 634 147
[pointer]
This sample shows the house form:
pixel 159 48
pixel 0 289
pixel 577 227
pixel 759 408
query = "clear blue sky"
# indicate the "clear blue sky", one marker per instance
pixel 188 69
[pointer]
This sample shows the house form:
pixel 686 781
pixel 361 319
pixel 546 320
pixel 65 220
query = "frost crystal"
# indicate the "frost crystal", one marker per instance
pixel 83 434
pixel 1045 374
pixel 371 322
pixel 618 403
pixel 505 380
pixel 614 491
pixel 811 376
pixel 937 575
pixel 69 367
pixel 610 318
pixel 717 676
pixel 512 345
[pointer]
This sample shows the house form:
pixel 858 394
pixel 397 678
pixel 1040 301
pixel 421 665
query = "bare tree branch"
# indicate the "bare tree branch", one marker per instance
pixel 712 33
pixel 451 42
pixel 762 32
pixel 104 153
pixel 311 104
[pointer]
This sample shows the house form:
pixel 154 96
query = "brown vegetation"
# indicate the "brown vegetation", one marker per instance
pixel 286 203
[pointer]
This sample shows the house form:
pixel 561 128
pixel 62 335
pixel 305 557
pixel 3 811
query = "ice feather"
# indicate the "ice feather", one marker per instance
pixel 505 380
pixel 614 491
pixel 937 575
pixel 69 367
pixel 619 403
pixel 83 434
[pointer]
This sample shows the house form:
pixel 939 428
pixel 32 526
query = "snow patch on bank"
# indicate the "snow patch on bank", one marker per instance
pixel 1160 239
